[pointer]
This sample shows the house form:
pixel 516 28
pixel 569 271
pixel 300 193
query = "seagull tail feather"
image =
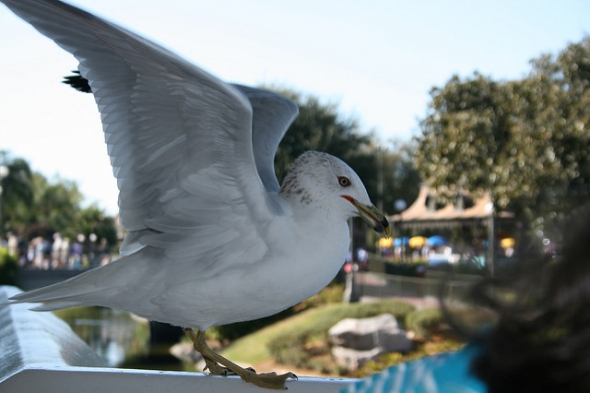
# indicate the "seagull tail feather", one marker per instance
pixel 81 290
pixel 57 296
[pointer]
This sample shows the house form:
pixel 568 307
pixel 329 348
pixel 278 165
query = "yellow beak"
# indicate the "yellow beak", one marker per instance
pixel 372 216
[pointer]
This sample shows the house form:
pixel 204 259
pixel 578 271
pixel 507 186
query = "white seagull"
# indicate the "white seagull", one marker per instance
pixel 212 237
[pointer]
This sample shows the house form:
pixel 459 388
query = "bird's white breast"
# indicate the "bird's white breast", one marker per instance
pixel 305 262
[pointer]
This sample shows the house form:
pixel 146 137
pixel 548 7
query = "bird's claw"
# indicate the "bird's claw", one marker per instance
pixel 270 380
pixel 218 365
pixel 266 380
pixel 215 369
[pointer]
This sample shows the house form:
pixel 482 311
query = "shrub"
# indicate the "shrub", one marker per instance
pixel 236 330
pixel 425 322
pixel 298 346
pixel 8 268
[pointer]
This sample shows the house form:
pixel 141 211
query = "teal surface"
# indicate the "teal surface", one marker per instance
pixel 445 373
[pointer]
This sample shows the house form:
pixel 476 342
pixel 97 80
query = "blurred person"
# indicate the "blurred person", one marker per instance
pixel 362 258
pixel 64 252
pixel 538 343
pixel 12 244
pixel 55 250
pixel 38 252
pixel 541 341
pixel 75 260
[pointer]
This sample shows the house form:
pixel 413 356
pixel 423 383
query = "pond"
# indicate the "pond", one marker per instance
pixel 125 340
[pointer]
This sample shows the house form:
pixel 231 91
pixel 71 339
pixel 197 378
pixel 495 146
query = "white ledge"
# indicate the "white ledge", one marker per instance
pixel 41 353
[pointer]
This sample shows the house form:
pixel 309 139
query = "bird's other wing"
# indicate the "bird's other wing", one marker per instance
pixel 179 139
pixel 272 116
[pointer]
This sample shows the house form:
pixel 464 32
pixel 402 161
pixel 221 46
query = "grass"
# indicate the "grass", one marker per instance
pixel 252 348
pixel 425 322
pixel 301 340
pixel 313 323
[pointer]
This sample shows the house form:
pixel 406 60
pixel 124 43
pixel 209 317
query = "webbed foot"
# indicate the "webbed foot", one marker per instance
pixel 218 365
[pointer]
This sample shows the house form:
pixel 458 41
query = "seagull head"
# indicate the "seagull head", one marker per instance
pixel 325 181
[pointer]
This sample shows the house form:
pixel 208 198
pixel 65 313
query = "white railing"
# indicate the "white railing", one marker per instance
pixel 40 353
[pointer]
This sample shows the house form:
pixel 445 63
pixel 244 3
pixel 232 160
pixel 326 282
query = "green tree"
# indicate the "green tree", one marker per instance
pixel 94 221
pixel 16 197
pixel 56 205
pixel 525 141
pixel 400 175
pixel 35 206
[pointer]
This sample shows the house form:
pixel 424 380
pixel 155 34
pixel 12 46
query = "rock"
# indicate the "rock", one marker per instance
pixel 353 359
pixel 368 333
pixel 185 352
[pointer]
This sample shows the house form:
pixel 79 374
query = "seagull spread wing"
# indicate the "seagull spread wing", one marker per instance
pixel 272 115
pixel 188 150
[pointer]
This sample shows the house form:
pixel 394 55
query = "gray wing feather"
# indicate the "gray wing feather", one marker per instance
pixel 178 137
pixel 272 116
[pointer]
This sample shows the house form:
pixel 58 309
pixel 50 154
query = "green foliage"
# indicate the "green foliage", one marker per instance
pixel 329 295
pixel 236 330
pixel 56 204
pixel 412 269
pixel 308 331
pixel 527 141
pixel 8 268
pixel 35 206
pixel 17 192
pixel 425 322
pixel 299 347
pixel 93 220
pixel 400 175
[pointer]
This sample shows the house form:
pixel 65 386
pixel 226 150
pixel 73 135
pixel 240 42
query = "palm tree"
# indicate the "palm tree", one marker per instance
pixel 16 194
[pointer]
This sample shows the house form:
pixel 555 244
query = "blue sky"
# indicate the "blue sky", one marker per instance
pixel 376 59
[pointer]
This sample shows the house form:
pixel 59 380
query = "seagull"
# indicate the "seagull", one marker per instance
pixel 212 237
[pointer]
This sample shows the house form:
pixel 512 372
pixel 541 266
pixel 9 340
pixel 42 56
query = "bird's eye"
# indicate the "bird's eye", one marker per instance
pixel 343 181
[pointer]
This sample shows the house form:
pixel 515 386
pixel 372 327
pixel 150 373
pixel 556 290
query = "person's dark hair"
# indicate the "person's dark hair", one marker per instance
pixel 541 341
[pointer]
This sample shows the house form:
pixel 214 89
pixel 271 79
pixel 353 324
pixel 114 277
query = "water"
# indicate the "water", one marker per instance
pixel 123 339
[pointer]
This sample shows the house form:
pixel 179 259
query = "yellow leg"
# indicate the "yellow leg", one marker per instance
pixel 219 365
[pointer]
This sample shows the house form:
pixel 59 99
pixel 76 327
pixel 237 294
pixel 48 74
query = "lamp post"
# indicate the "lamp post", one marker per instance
pixel 351 294
pixel 491 257
pixel 400 205
pixel 4 172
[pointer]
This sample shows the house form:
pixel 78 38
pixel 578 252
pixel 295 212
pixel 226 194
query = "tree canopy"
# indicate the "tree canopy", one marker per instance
pixel 34 206
pixel 526 141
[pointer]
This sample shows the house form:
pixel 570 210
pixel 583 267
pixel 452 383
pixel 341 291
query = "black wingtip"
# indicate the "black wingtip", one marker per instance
pixel 78 82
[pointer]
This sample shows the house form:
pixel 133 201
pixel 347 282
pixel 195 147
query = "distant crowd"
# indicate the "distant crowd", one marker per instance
pixel 58 252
